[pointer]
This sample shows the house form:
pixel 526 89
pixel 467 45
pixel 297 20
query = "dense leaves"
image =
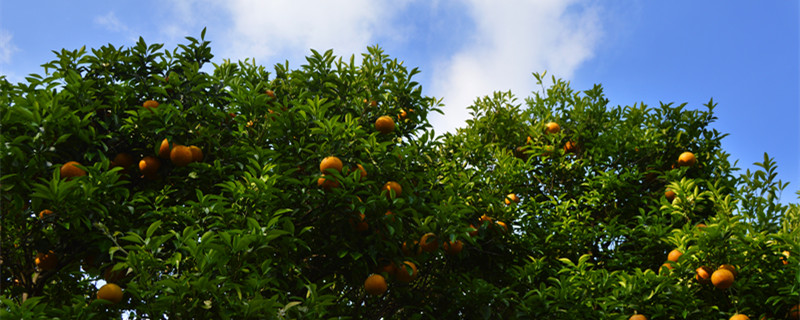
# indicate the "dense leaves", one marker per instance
pixel 254 229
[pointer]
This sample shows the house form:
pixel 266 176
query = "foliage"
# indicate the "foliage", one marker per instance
pixel 247 232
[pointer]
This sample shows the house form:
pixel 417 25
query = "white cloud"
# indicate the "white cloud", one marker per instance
pixel 111 22
pixel 512 40
pixel 7 47
pixel 279 28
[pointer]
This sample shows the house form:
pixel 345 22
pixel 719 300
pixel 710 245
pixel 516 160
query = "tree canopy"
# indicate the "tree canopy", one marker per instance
pixel 199 190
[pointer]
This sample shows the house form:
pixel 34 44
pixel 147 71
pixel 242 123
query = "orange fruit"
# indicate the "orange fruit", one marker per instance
pixel 474 232
pixel 686 159
pixel 570 147
pixel 670 195
pixel 785 257
pixel 453 248
pixel 327 183
pixel 722 278
pixel 730 268
pixel 392 186
pixel 45 212
pixel 149 165
pixel 46 261
pixel 503 226
pixel 361 170
pixel 390 215
pixel 637 317
pixel 69 170
pixel 794 312
pixel 387 266
pixel 180 155
pixel 362 225
pixel 163 149
pixel 150 104
pixel 124 159
pixel 703 274
pixel 739 316
pixel 384 124
pixel 674 255
pixel 403 274
pixel 511 197
pixel 552 127
pixel 110 292
pixel 700 226
pixel 197 153
pixel 547 151
pixel 403 114
pixel 429 242
pixel 270 93
pixel 485 218
pixel 667 265
pixel 407 249
pixel 375 285
pixel 330 163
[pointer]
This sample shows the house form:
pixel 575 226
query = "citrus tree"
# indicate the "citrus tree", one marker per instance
pixel 155 184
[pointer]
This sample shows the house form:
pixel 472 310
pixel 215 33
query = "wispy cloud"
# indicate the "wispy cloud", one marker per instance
pixel 512 40
pixel 7 47
pixel 111 22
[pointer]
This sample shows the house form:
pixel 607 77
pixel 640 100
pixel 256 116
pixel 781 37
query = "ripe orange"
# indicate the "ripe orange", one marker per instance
pixel 270 93
pixel 511 197
pixel 373 103
pixel 327 183
pixel 686 159
pixel 785 257
pixel 163 149
pixel 670 195
pixel 700 226
pixel 392 186
pixel 124 159
pixel 330 163
pixel 361 225
pixel 474 232
pixel 429 242
pixel 503 226
pixel 46 261
pixel 150 104
pixel 794 312
pixel 197 153
pixel 390 216
pixel 69 170
pixel 674 255
pixel 637 317
pixel 739 316
pixel 384 124
pixel 361 169
pixel 667 265
pixel 387 266
pixel 375 285
pixel 149 165
pixel 110 292
pixel 403 275
pixel 403 114
pixel 453 248
pixel 407 249
pixel 552 127
pixel 485 218
pixel 180 155
pixel 730 268
pixel 45 212
pixel 722 278
pixel 703 274
pixel 570 147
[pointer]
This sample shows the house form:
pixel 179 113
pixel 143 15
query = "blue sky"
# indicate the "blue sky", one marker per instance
pixel 743 54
